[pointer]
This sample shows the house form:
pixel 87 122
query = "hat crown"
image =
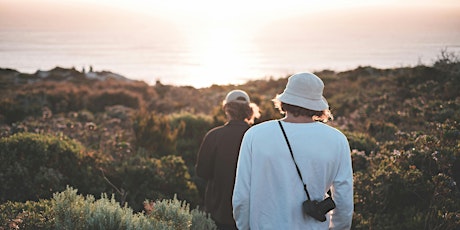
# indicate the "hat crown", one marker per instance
pixel 304 90
pixel 238 96
pixel 306 85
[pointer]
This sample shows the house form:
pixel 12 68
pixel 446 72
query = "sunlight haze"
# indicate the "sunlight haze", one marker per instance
pixel 191 42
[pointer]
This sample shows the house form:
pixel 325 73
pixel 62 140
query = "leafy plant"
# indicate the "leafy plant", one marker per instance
pixel 33 166
pixel 70 210
pixel 28 215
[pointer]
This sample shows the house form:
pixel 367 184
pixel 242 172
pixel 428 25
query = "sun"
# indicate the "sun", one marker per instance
pixel 219 55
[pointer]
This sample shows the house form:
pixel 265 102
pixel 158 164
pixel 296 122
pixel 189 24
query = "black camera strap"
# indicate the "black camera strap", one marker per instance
pixel 292 155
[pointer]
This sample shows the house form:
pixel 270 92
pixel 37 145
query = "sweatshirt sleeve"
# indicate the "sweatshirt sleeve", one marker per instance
pixel 241 192
pixel 206 155
pixel 342 192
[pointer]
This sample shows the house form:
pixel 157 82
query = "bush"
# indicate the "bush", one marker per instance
pixel 69 210
pixel 192 129
pixel 73 211
pixel 141 177
pixel 33 166
pixel 29 215
pixel 382 131
pixel 154 133
pixel 177 214
pixel 362 142
pixel 409 183
pixel 98 102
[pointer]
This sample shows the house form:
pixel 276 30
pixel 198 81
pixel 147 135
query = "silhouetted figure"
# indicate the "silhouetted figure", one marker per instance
pixel 218 154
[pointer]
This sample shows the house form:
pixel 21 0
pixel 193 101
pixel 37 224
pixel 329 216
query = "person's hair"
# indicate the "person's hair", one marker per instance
pixel 242 111
pixel 296 111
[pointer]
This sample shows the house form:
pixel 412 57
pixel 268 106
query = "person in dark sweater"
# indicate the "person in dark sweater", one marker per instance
pixel 218 156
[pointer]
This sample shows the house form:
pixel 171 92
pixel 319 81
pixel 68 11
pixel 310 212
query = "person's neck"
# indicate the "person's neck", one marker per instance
pixel 298 119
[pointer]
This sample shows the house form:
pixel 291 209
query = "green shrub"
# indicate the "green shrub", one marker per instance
pixel 12 111
pixel 409 183
pixel 73 211
pixel 177 214
pixel 361 142
pixel 173 212
pixel 141 177
pixel 34 166
pixel 154 133
pixel 29 215
pixel 192 129
pixel 69 210
pixel 382 131
pixel 99 101
pixel 201 221
pixel 360 161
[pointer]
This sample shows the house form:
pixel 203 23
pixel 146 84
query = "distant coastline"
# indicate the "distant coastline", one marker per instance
pixel 180 63
pixel 88 72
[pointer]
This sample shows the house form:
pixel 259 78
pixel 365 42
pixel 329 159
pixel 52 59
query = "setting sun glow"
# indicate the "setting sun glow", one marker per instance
pixel 205 42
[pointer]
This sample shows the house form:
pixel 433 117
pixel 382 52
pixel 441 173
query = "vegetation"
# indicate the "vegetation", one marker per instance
pixel 69 210
pixel 139 143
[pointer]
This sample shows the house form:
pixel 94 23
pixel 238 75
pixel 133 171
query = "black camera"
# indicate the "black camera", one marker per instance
pixel 317 209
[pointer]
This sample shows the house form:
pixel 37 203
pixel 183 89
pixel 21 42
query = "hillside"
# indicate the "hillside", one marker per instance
pixel 408 97
pixel 140 141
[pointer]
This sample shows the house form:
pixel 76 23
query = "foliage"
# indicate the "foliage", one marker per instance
pixel 111 98
pixel 141 141
pixel 74 211
pixel 69 210
pixel 192 130
pixel 34 166
pixel 362 142
pixel 28 215
pixel 141 177
pixel 409 184
pixel 177 215
pixel 154 133
pixel 22 100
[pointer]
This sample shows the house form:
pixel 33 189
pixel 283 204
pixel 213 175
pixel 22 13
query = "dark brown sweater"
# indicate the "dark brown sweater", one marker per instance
pixel 216 163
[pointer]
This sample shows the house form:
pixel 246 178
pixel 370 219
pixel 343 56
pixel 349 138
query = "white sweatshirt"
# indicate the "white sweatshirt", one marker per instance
pixel 268 192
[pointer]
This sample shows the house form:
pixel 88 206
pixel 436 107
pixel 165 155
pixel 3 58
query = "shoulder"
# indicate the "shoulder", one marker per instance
pixel 215 130
pixel 330 128
pixel 332 131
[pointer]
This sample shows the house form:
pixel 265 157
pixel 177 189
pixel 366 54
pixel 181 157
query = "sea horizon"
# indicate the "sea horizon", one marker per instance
pixel 203 52
pixel 175 68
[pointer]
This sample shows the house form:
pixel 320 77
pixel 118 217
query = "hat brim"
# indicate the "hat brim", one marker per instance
pixel 311 104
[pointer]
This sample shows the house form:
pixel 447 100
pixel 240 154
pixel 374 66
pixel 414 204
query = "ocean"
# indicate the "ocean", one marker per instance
pixel 225 55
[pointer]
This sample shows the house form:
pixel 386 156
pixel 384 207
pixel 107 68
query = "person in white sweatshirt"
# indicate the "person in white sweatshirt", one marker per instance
pixel 269 192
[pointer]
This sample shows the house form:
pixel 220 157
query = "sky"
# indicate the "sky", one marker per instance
pixel 13 12
pixel 217 29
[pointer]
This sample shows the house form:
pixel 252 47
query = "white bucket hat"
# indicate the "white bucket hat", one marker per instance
pixel 238 96
pixel 304 90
